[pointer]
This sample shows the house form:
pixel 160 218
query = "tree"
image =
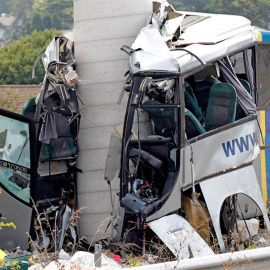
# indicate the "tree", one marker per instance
pixel 256 11
pixel 37 23
pixel 17 59
pixel 192 5
pixel 61 8
pixel 22 9
pixel 34 14
pixel 47 21
pixel 5 6
pixel 56 23
pixel 28 28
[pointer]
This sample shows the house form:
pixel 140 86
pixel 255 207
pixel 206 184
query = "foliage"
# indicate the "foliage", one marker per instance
pixel 17 59
pixel 46 14
pixel 10 224
pixel 14 265
pixel 5 6
pixel 56 22
pixel 46 225
pixel 62 9
pixel 37 22
pixel 256 11
pixel 133 261
pixel 36 15
pixel 249 246
pixel 21 9
pixel 47 21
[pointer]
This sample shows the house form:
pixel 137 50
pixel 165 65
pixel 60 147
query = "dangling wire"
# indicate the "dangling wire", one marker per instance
pixel 192 173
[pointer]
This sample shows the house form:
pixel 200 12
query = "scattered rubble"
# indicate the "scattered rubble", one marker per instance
pixel 82 260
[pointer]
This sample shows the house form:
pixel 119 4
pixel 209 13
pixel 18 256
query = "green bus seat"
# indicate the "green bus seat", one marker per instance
pixel 193 126
pixel 221 108
pixel 202 91
pixel 163 119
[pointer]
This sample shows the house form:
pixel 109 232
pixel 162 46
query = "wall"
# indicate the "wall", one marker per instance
pixel 101 27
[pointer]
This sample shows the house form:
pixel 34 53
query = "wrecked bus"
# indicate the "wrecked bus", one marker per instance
pixel 38 151
pixel 186 151
pixel 198 86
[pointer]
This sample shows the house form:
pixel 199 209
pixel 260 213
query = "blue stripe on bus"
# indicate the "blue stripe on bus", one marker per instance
pixel 265 36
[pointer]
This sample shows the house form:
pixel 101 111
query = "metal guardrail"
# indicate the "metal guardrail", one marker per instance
pixel 258 259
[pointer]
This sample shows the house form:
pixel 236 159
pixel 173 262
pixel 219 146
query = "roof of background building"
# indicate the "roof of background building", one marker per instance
pixel 13 97
pixel 7 20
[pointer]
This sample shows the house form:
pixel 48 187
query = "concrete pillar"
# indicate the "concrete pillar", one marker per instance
pixel 101 27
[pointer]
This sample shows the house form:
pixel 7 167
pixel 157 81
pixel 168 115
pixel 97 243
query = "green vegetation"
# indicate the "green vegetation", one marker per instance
pixel 34 16
pixel 17 58
pixel 5 6
pixel 256 11
pixel 60 12
pixel 37 15
pixel 10 224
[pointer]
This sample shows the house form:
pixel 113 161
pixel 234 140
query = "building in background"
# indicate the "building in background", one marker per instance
pixel 6 22
pixel 13 97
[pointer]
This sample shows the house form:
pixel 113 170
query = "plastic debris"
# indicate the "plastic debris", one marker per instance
pixel 64 255
pixel 36 267
pixel 117 258
pixel 261 240
pixel 83 260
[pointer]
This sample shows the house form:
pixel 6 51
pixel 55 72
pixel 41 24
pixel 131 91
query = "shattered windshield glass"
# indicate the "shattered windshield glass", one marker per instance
pixel 15 157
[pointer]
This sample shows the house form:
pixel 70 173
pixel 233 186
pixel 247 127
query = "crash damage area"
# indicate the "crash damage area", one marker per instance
pixel 187 157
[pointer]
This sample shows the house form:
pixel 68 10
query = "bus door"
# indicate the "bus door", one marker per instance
pixel 17 175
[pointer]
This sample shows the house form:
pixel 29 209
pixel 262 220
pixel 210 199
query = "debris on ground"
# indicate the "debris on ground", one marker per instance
pixel 15 259
pixel 51 261
pixel 83 260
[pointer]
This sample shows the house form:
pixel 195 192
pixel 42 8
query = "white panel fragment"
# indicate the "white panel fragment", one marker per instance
pixel 180 237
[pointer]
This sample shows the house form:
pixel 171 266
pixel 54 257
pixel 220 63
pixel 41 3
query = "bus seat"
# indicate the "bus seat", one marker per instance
pixel 202 91
pixel 246 85
pixel 190 90
pixel 193 126
pixel 192 105
pixel 29 108
pixel 153 171
pixel 163 119
pixel 191 102
pixel 221 108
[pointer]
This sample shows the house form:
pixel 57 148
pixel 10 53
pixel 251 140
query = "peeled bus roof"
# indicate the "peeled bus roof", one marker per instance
pixel 210 38
pixel 210 53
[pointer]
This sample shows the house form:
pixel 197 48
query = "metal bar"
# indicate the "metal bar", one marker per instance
pixel 248 259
